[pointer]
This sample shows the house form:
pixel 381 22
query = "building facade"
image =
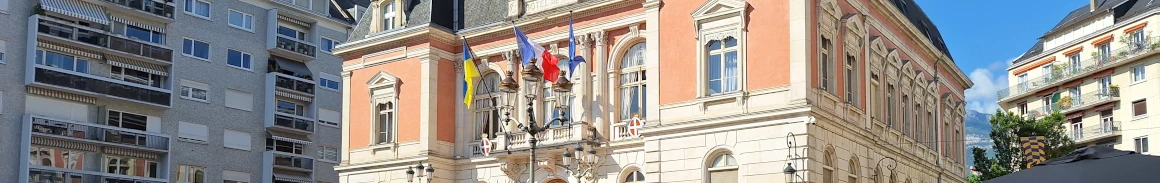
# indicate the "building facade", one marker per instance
pixel 849 90
pixel 1095 68
pixel 185 91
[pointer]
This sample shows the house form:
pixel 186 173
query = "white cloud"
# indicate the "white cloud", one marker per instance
pixel 988 80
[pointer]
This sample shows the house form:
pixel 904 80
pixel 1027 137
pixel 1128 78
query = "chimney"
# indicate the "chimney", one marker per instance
pixel 1093 5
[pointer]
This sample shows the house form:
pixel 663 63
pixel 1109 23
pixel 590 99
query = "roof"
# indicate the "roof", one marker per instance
pixel 923 23
pixel 419 12
pixel 1083 13
pixel 338 9
pixel 1120 9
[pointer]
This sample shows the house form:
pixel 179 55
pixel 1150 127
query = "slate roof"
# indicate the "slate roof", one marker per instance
pixel 923 23
pixel 419 12
pixel 340 12
pixel 1120 9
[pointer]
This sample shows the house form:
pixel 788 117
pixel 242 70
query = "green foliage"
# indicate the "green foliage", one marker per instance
pixel 1006 128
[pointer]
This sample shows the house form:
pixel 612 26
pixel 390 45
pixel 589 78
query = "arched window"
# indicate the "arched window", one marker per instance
pixel 386 122
pixel 855 171
pixel 486 98
pixel 723 169
pixel 632 82
pixel 634 177
pixel 828 167
pixel 722 66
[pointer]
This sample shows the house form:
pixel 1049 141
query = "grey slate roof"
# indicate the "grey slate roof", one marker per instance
pixel 1120 9
pixel 340 11
pixel 419 12
pixel 923 23
pixel 478 13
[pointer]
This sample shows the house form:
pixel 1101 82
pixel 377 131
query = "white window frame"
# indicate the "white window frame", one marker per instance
pixel 188 88
pixel 299 109
pixel 193 49
pixel 76 61
pixel 1139 74
pixel 825 64
pixel 323 79
pixel 3 44
pixel 325 151
pixel 299 34
pixel 383 90
pixel 4 4
pixel 193 10
pixel 246 62
pixel 1140 147
pixel 715 22
pixel 631 84
pixel 322 44
pixel 852 79
pixel 1133 106
pixel 247 20
pixel 1 101
pixel 187 173
pixel 483 110
pixel 390 15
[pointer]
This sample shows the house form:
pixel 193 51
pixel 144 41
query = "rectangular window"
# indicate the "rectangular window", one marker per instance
pixel 1141 144
pixel 237 140
pixel 283 146
pixel 240 100
pixel 3 44
pixel 386 123
pixel 291 108
pixel 329 117
pixel 890 103
pixel 722 64
pixel 851 79
pixel 1022 78
pixel 1023 108
pixel 195 48
pixel 143 34
pixel 1137 39
pixel 1077 129
pixel 291 33
pixel 328 44
pixel 1074 62
pixel 62 61
pixel 130 166
pixel 235 177
pixel 328 153
pixel 241 20
pixel 58 158
pixel 389 16
pixel 825 65
pixel 1139 108
pixel 127 120
pixel 192 132
pixel 1049 72
pixel 198 8
pixel 551 107
pixel 238 59
pixel 136 76
pixel 328 81
pixel 190 174
pixel 1138 74
pixel 193 90
pixel 1104 51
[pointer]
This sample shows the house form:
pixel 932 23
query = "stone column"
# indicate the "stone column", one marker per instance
pixel 346 116
pixel 583 79
pixel 428 116
pixel 603 111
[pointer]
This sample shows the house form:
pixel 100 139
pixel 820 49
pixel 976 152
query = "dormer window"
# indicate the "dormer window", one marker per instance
pixel 389 16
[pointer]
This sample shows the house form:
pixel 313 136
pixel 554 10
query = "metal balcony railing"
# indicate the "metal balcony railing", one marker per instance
pixel 36 175
pixel 293 123
pixel 1086 100
pixel 101 86
pixel 1107 128
pixel 296 46
pixel 1065 73
pixel 147 6
pixel 74 130
pixel 294 84
pixel 98 38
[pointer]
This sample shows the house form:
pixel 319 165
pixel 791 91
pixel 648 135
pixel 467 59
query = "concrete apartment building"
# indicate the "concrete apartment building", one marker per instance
pixel 151 91
pixel 719 85
pixel 1098 68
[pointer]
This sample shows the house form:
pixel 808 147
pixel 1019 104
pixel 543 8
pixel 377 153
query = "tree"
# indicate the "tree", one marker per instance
pixel 1006 128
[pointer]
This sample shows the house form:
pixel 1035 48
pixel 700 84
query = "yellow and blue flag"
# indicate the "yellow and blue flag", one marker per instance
pixel 469 74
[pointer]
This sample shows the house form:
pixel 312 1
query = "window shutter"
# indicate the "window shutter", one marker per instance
pixel 329 115
pixel 239 100
pixel 192 131
pixel 237 140
pixel 727 176
pixel 1139 108
pixel 235 176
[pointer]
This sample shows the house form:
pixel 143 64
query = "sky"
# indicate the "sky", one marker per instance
pixel 984 36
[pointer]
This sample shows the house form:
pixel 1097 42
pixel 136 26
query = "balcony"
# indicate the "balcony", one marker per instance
pixel 1067 73
pixel 44 175
pixel 291 123
pixel 293 48
pixel 1091 100
pixel 1105 130
pixel 97 134
pixel 85 84
pixel 295 84
pixel 287 161
pixel 100 40
pixel 153 10
pixel 620 132
pixel 556 136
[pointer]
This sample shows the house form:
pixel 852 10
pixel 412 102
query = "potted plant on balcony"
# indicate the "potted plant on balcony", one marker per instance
pixel 1065 102
pixel 1114 90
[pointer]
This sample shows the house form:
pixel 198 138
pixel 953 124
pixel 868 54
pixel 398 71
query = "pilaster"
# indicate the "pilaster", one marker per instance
pixel 604 112
pixel 800 47
pixel 428 114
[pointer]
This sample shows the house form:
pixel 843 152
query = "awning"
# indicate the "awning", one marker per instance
pixel 79 9
pixel 297 68
pixel 67 144
pixel 61 95
pixel 137 65
pixel 1074 115
pixel 291 178
pixel 138 24
pixel 294 21
pixel 68 49
pixel 288 138
pixel 293 96
pixel 129 152
pixel 1104 107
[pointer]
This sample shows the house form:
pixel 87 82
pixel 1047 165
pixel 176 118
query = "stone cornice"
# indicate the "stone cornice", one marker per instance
pixel 546 18
pixel 395 39
pixel 896 17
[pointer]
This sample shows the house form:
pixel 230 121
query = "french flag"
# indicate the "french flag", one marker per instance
pixel 530 49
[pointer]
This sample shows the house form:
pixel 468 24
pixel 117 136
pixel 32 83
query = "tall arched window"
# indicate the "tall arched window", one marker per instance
pixel 386 122
pixel 722 66
pixel 828 167
pixel 632 83
pixel 723 169
pixel 486 98
pixel 855 171
pixel 634 177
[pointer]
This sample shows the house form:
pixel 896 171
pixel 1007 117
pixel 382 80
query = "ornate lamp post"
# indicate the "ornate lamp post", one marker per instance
pixel 579 163
pixel 893 164
pixel 789 171
pixel 430 172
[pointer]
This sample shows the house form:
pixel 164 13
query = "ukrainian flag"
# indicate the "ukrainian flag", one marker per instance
pixel 469 74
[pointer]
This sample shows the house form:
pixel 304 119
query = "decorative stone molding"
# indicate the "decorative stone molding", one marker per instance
pixel 512 168
pixel 718 20
pixel 598 38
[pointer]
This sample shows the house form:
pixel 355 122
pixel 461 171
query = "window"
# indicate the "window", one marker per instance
pixel 131 166
pixel 62 61
pixel 193 90
pixel 1105 85
pixel 553 107
pixel 722 66
pixel 3 6
pixel 328 153
pixel 1077 128
pixel 388 16
pixel 291 33
pixel 633 84
pixel 723 169
pixel 851 79
pixel 487 117
pixel 241 20
pixel 1022 78
pixel 1137 39
pixel 1073 63
pixel 235 177
pixel 327 81
pixel 238 99
pixel 890 103
pixel 634 177
pixel 237 140
pixel 190 174
pixel 825 66
pixel 3 44
pixel 854 171
pixel 828 168
pixel 288 107
pixel 58 158
pixel 136 76
pixel 1048 105
pixel 327 44
pixel 1139 108
pixel 195 48
pixel 1104 51
pixel 282 145
pixel 192 132
pixel 1138 74
pixel 905 118
pixel 143 34
pixel 238 59
pixel 1023 108
pixel 1076 96
pixel 1048 72
pixel 329 117
pixel 198 8
pixel 127 120
pixel 1141 144
pixel 386 123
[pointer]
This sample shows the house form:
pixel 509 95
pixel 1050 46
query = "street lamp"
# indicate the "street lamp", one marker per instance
pixel 789 171
pixel 893 164
pixel 429 169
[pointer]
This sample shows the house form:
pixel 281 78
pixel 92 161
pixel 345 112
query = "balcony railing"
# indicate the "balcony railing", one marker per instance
pixel 1068 72
pixel 147 6
pixel 289 122
pixel 1090 99
pixel 1106 129
pixel 291 161
pixel 296 46
pixel 74 130
pixel 620 131
pixel 36 175
pixel 295 84
pixel 98 38
pixel 567 134
pixel 102 86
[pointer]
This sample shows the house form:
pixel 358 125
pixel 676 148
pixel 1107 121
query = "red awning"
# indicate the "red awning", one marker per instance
pixel 1104 107
pixel 1073 115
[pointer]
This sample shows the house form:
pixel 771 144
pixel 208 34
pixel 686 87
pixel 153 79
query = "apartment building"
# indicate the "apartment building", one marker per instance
pixel 849 90
pixel 152 91
pixel 1097 68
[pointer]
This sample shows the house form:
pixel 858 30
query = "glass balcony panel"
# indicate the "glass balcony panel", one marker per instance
pixel 69 80
pixel 96 132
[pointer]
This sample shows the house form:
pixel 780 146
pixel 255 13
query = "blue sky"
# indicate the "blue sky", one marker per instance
pixel 985 35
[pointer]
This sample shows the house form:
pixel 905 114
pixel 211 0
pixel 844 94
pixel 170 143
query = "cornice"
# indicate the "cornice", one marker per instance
pixel 546 18
pixel 395 39
pixel 895 16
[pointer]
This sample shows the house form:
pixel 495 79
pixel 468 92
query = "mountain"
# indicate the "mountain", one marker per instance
pixel 978 127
